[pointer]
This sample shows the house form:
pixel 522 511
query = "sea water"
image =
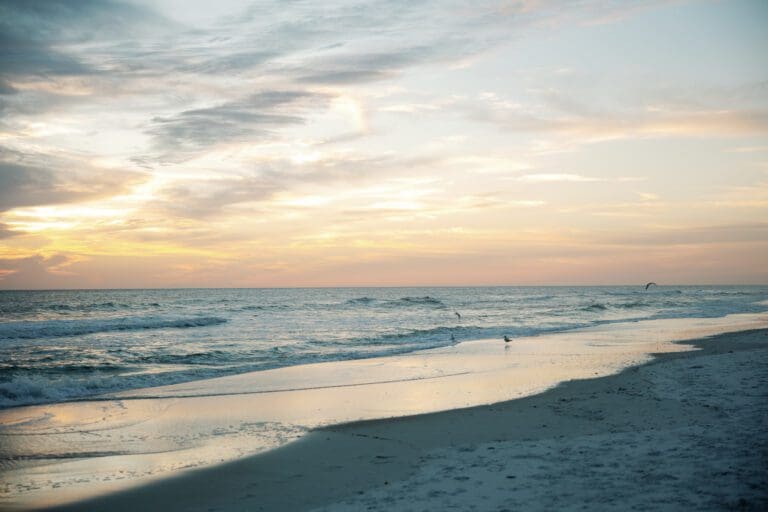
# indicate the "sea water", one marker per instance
pixel 62 345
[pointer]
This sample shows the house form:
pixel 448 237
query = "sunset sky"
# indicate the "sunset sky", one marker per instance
pixel 167 143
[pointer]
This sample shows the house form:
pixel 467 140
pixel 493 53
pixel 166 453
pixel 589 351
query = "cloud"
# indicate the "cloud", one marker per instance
pixel 228 63
pixel 52 181
pixel 723 123
pixel 6 232
pixel 31 33
pixel 120 46
pixel 6 88
pixel 545 177
pixel 354 42
pixel 20 58
pixel 212 197
pixel 345 76
pixel 681 111
pixel 207 198
pixel 33 272
pixel 252 118
pixel 695 235
pixel 579 122
pixel 350 68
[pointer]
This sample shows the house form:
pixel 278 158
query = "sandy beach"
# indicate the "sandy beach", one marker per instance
pixel 684 432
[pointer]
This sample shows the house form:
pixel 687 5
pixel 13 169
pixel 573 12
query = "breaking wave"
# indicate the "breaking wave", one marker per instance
pixel 415 301
pixel 57 328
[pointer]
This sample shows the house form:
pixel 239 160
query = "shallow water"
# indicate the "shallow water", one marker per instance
pixel 63 345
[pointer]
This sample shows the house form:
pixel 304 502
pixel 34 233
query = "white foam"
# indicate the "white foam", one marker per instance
pixel 57 328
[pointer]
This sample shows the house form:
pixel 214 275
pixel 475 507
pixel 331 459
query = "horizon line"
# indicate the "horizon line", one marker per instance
pixel 640 285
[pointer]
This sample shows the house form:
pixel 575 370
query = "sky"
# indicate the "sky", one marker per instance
pixel 188 143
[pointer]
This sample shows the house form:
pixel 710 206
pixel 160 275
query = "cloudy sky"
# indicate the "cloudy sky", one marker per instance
pixel 305 143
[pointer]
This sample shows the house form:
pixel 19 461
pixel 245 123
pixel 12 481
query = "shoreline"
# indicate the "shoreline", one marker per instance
pixel 430 459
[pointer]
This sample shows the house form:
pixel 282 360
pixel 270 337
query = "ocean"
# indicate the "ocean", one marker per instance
pixel 68 345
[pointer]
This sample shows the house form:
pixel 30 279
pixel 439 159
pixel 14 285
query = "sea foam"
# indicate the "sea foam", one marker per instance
pixel 57 328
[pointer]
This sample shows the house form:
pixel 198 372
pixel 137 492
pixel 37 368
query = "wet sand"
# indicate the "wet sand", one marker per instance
pixel 684 432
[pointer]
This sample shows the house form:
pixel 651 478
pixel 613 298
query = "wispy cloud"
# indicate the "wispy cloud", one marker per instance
pixel 693 235
pixel 207 198
pixel 31 180
pixel 214 196
pixel 246 120
pixel 6 231
pixel 37 269
pixel 34 35
pixel 547 177
pixel 583 125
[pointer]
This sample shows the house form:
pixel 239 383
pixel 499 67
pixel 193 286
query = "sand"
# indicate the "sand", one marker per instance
pixel 684 432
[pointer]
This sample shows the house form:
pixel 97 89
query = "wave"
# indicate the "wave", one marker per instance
pixel 193 358
pixel 83 307
pixel 415 301
pixel 267 307
pixel 21 389
pixel 58 328
pixel 35 389
pixel 598 306
pixel 727 293
pixel 39 388
pixel 360 301
pixel 632 305
pixel 64 369
pixel 26 307
pixel 421 335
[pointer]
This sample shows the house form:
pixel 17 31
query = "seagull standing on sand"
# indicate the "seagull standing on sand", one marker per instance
pixel 507 339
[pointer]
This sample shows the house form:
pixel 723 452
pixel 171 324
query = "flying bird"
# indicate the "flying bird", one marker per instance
pixel 649 285
pixel 457 315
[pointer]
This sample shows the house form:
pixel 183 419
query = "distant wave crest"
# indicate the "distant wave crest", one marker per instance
pixel 358 301
pixel 634 304
pixel 415 301
pixel 597 306
pixel 66 308
pixel 57 328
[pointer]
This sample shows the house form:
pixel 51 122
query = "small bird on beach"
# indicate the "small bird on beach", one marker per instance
pixel 650 284
pixel 457 315
pixel 507 339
